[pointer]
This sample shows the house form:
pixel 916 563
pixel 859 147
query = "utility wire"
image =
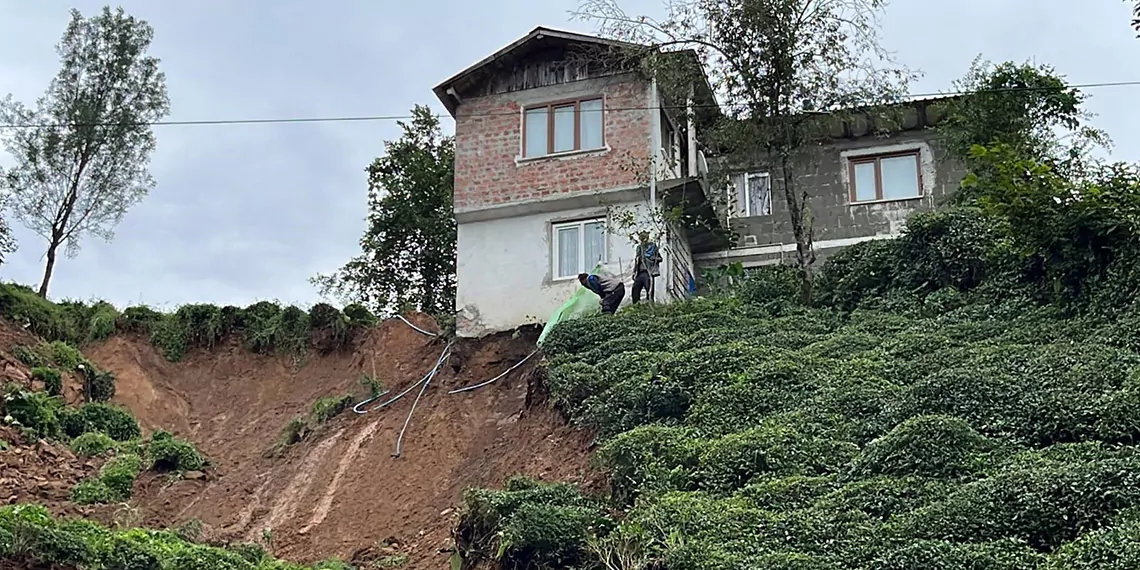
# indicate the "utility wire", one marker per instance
pixel 376 118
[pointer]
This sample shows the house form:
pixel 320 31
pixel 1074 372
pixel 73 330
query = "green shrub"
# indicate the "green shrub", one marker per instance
pixel 527 523
pixel 100 385
pixel 924 446
pixel 731 462
pixel 113 420
pixel 1046 505
pixel 101 319
pixel 649 458
pixel 165 452
pixel 53 381
pixel 114 483
pixel 332 323
pixel 1113 548
pixel 34 411
pixel 329 407
pixel 40 316
pixel 138 319
pixel 30 355
pixel 92 444
pixel 66 356
pixel 942 555
pixel 359 315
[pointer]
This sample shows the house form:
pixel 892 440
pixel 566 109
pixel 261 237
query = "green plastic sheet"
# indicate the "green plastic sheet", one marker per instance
pixel 583 302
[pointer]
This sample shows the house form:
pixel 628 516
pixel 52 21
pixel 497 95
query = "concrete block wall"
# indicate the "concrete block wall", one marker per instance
pixel 489 170
pixel 836 219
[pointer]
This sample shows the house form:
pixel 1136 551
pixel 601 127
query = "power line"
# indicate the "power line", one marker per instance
pixel 375 118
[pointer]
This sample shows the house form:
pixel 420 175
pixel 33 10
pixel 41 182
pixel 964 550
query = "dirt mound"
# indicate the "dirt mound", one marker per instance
pixel 41 473
pixel 340 492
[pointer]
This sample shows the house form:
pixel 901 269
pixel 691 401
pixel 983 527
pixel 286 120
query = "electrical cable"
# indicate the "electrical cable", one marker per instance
pixel 505 372
pixel 374 118
pixel 427 380
pixel 409 323
pixel 357 409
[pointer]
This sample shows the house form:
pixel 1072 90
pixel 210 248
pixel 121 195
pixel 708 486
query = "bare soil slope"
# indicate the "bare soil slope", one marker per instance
pixel 341 492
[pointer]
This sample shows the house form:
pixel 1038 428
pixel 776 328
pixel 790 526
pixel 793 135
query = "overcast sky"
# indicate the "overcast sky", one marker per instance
pixel 249 212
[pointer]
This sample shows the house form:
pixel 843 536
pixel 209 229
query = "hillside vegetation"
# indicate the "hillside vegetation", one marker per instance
pixel 263 327
pixel 109 434
pixel 966 396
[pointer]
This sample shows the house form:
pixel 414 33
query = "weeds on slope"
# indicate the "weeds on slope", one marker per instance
pixel 264 327
pixel 301 427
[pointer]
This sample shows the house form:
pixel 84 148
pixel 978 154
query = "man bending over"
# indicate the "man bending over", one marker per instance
pixel 610 289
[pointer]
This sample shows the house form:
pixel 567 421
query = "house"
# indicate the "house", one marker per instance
pixel 863 184
pixel 561 145
pixel 565 149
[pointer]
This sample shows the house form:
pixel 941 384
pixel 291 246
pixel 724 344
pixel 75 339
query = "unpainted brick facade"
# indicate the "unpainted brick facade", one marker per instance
pixel 488 140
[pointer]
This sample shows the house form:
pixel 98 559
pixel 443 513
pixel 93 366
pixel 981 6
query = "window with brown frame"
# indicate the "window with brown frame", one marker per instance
pixel 885 177
pixel 566 126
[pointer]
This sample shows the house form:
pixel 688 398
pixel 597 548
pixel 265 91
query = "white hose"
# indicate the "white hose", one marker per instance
pixel 409 323
pixel 505 372
pixel 427 380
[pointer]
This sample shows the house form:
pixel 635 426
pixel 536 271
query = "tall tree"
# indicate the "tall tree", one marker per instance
pixel 1028 108
pixel 777 65
pixel 408 257
pixel 83 160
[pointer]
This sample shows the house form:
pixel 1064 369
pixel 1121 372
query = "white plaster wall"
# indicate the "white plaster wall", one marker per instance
pixel 504 268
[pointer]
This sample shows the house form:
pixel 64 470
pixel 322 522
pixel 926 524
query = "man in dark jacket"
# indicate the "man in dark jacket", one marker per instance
pixel 646 267
pixel 610 289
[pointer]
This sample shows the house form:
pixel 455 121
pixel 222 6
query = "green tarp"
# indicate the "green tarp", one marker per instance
pixel 583 302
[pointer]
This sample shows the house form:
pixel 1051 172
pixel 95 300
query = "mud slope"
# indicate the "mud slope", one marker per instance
pixel 341 492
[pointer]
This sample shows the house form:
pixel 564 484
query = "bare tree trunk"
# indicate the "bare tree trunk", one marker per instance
pixel 801 230
pixel 48 268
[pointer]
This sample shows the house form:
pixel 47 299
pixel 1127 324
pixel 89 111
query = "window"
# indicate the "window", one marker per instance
pixel 578 247
pixel 751 194
pixel 563 127
pixel 885 177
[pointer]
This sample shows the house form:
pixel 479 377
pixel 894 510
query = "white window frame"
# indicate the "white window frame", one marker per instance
pixel 581 225
pixel 735 194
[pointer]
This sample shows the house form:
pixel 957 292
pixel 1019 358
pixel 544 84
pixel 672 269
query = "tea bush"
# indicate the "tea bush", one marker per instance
pixel 53 381
pixel 164 452
pixel 954 431
pixel 114 483
pixel 92 444
pixel 263 327
pixel 36 412
pixel 330 407
pixel 527 524
pixel 115 421
pixel 31 537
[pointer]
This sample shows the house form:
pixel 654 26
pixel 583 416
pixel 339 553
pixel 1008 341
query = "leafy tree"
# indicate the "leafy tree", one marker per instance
pixel 1027 109
pixel 408 258
pixel 779 65
pixel 1136 15
pixel 84 161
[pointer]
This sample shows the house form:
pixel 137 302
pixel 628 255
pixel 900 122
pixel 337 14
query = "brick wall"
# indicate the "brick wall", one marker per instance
pixel 488 137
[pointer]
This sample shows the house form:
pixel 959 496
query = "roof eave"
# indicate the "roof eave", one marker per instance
pixel 442 91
